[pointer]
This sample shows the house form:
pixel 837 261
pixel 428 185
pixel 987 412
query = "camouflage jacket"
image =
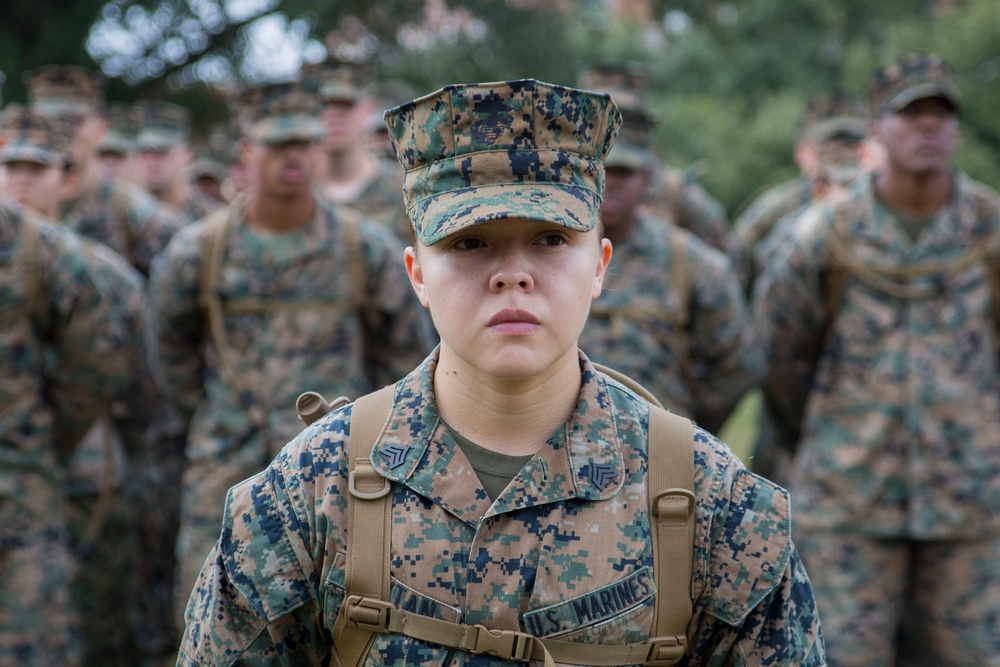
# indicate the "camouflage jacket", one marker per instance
pixel 382 200
pixel 754 225
pixel 62 350
pixel 680 331
pixel 689 206
pixel 292 318
pixel 125 218
pixel 536 560
pixel 894 402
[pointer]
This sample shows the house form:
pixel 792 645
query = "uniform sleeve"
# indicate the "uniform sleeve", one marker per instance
pixel 757 606
pixel 154 224
pixel 177 322
pixel 87 333
pixel 724 361
pixel 705 217
pixel 256 599
pixel 790 320
pixel 400 331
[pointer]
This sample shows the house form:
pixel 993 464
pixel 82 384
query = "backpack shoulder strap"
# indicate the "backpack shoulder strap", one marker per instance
pixel 351 220
pixel 672 519
pixel 369 523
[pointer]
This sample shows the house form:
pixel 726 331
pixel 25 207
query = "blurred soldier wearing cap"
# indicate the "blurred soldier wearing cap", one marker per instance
pixel 123 217
pixel 93 464
pixel 164 154
pixel 354 174
pixel 279 292
pixel 879 319
pixel 512 471
pixel 674 195
pixel 672 315
pixel 208 171
pixel 117 147
pixel 827 153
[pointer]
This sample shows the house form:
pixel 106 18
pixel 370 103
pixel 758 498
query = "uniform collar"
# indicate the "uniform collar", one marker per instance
pixel 581 460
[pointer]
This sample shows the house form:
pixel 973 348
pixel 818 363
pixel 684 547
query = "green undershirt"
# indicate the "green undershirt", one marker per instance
pixel 494 469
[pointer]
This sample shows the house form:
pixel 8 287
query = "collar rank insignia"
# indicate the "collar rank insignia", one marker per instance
pixel 602 474
pixel 394 455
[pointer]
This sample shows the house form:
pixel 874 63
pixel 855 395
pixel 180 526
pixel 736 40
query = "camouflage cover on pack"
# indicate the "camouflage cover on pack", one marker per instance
pixel 279 112
pixel 913 77
pixel 28 136
pixel 536 560
pixel 525 149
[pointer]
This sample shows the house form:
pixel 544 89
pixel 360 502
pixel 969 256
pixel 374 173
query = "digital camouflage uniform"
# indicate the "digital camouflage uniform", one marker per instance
pixel 64 347
pixel 108 490
pixel 675 196
pixel 671 314
pixel 834 123
pixel 381 197
pixel 687 343
pixel 896 472
pixel 537 558
pixel 100 520
pixel 310 309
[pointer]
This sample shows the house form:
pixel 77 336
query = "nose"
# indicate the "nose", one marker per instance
pixel 511 272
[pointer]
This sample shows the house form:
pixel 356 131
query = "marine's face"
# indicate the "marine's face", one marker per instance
pixel 920 138
pixel 509 298
pixel 115 165
pixel 346 123
pixel 160 170
pixel 282 170
pixel 624 190
pixel 34 186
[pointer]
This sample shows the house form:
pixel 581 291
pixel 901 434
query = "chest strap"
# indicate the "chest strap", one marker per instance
pixel 365 612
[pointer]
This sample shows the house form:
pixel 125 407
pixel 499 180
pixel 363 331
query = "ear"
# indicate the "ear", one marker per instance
pixel 416 275
pixel 602 268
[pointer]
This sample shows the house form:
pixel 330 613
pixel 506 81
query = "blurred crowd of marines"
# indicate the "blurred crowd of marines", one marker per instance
pixel 164 302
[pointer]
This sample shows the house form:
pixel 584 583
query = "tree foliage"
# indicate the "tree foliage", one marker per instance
pixel 728 79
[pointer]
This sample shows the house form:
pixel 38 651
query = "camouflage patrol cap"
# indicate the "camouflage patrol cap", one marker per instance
pixel 162 125
pixel 513 149
pixel 279 112
pixel 337 80
pixel 915 76
pixel 28 136
pixel 632 149
pixel 832 115
pixel 65 90
pixel 624 80
pixel 122 126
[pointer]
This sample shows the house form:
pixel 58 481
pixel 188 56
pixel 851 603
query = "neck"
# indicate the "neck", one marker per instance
pixel 512 416
pixel 175 194
pixel 88 178
pixel 279 215
pixel 914 194
pixel 347 173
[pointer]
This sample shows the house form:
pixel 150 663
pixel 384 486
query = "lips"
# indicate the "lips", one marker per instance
pixel 508 315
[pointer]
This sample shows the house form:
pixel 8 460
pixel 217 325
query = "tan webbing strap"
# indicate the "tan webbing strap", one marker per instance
pixel 369 524
pixel 122 206
pixel 356 266
pixel 672 506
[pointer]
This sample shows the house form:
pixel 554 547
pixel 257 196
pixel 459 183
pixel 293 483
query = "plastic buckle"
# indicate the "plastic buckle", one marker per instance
pixel 673 510
pixel 666 651
pixel 505 644
pixel 368 613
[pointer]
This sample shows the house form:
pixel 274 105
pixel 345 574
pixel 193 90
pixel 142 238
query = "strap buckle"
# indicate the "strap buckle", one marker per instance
pixel 665 503
pixel 505 644
pixel 665 651
pixel 368 613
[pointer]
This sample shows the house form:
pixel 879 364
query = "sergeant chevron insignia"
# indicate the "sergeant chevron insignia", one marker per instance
pixel 602 474
pixel 394 455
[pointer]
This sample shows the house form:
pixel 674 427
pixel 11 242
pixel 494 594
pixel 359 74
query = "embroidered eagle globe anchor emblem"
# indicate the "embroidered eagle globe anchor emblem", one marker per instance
pixel 498 120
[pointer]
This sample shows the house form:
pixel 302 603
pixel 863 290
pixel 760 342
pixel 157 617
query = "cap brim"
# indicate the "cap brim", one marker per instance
pixel 29 153
pixel 627 156
pixel 288 128
pixel 839 127
pixel 922 91
pixel 438 217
